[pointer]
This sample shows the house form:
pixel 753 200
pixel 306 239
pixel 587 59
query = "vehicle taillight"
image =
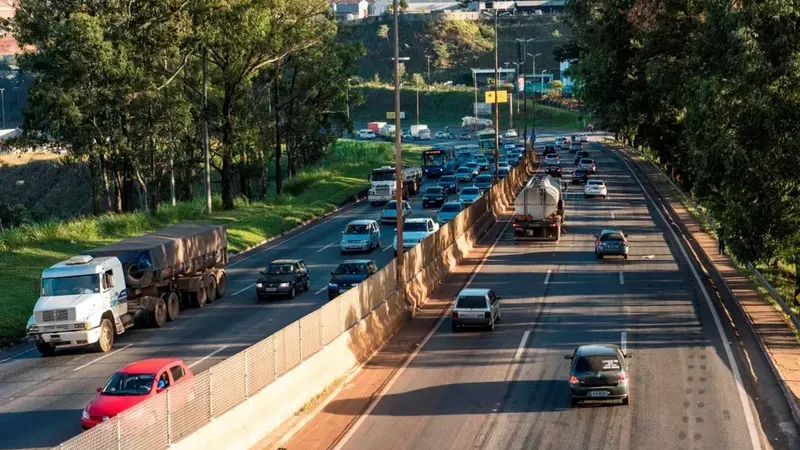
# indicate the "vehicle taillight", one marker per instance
pixel 573 379
pixel 455 315
pixel 623 376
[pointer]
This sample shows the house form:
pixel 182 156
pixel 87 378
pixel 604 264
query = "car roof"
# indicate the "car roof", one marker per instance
pixel 361 222
pixel 473 291
pixel 149 365
pixel 285 261
pixel 597 349
pixel 418 220
pixel 596 181
pixel 356 261
pixel 454 203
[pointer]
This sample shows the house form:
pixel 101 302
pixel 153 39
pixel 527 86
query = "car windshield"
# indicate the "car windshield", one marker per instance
pixel 129 384
pixel 434 191
pixel 356 229
pixel 83 284
pixel 484 179
pixel 415 226
pixel 612 237
pixel 471 302
pixel 595 183
pixel 470 191
pixel 391 205
pixel 280 269
pixel 351 269
pixel 597 363
pixel 472 165
pixel 587 161
pixel 382 176
pixel 451 207
pixel 447 179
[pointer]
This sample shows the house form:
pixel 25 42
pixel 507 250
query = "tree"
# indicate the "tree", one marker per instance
pixel 383 32
pixel 418 80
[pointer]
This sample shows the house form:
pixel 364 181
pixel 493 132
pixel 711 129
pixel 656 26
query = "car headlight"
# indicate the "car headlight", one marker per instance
pixel 85 415
pixel 259 285
pixel 33 329
pixel 333 285
pixel 105 418
pixel 363 241
pixel 83 325
pixel 284 285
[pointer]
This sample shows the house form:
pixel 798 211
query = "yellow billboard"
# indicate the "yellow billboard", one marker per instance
pixel 502 97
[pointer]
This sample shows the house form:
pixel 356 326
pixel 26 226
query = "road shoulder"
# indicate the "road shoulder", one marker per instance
pixel 768 344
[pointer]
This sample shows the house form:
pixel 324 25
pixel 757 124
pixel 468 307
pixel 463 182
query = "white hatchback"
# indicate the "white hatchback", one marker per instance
pixel 476 308
pixel 595 188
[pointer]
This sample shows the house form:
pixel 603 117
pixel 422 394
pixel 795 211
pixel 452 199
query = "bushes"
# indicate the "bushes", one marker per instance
pixel 12 216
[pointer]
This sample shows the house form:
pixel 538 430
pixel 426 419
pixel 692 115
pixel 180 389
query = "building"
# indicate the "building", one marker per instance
pixel 8 46
pixel 350 9
pixel 520 6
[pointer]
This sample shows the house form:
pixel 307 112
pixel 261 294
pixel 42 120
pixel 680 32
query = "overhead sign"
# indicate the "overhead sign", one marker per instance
pixel 484 109
pixel 502 97
pixel 390 115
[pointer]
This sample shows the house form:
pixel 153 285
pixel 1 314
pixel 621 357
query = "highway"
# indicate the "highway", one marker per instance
pixel 41 398
pixel 508 389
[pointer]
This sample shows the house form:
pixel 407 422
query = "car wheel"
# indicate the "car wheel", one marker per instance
pixel 46 348
pixel 627 400
pixel 598 255
pixel 573 402
pixel 308 285
pixel 454 327
pixel 292 293
pixel 626 256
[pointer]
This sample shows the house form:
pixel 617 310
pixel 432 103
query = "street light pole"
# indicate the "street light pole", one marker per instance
pixel 542 78
pixel 3 95
pixel 533 109
pixel 524 43
pixel 475 90
pixel 398 156
pixel 428 57
pixel 496 104
pixel 521 97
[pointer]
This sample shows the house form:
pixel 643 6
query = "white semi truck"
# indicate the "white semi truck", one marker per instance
pixel 539 210
pixel 384 185
pixel 91 298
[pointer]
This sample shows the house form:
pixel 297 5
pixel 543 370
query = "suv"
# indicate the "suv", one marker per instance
pixel 599 372
pixel 348 275
pixel 476 307
pixel 611 242
pixel 283 277
pixel 360 235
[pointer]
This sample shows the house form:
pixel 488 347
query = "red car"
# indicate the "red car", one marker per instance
pixel 132 385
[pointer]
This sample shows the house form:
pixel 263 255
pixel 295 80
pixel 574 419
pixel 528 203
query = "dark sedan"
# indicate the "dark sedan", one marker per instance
pixel 548 149
pixel 449 184
pixel 348 275
pixel 580 176
pixel 434 196
pixel 283 277
pixel 484 182
pixel 599 372
pixel 554 170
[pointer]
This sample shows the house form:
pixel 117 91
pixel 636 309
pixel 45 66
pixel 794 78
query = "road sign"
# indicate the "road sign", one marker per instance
pixel 502 97
pixel 390 115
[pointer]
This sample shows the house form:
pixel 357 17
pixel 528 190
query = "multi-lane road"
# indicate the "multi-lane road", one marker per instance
pixel 508 389
pixel 41 398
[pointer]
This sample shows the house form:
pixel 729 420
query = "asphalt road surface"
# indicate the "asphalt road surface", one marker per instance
pixel 508 389
pixel 41 398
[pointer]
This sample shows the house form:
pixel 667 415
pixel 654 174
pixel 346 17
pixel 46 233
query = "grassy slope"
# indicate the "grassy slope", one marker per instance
pixel 26 251
pixel 446 108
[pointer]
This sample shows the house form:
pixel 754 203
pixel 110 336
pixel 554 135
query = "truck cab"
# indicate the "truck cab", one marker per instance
pixel 80 302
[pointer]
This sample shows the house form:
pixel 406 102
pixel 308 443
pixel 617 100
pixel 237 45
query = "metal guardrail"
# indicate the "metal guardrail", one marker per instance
pixel 165 419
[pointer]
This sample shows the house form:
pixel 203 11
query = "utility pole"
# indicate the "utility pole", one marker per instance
pixel 347 98
pixel 475 89
pixel 3 99
pixel 417 105
pixel 533 109
pixel 206 153
pixel 398 159
pixel 511 111
pixel 428 57
pixel 496 105
pixel 524 43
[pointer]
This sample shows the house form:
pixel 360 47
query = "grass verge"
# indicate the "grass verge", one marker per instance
pixel 26 251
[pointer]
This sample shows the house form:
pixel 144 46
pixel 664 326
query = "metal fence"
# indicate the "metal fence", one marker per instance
pixel 185 408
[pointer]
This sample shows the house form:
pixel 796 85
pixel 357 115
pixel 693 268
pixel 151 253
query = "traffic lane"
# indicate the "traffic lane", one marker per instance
pixel 683 391
pixel 442 397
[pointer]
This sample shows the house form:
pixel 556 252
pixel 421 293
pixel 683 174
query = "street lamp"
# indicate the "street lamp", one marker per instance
pixel 533 111
pixel 520 64
pixel 542 78
pixel 428 58
pixel 398 158
pixel 524 43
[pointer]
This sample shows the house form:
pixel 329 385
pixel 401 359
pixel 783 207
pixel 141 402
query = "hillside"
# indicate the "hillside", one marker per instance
pixel 455 46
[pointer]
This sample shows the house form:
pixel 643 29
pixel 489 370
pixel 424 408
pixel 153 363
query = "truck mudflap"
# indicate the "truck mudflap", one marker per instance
pixel 537 231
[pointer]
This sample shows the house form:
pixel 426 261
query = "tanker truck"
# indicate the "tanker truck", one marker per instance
pixel 539 210
pixel 142 281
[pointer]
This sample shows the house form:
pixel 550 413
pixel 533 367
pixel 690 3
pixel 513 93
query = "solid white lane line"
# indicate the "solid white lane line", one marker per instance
pixel 100 358
pixel 621 277
pixel 413 355
pixel 612 215
pixel 324 222
pixel 547 277
pixel 243 289
pixel 326 247
pixel 623 342
pixel 18 354
pixel 748 413
pixel 208 356
pixel 522 343
pixel 387 248
pixel 320 291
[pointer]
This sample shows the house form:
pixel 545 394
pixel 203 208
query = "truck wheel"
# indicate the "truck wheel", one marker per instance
pixel 173 302
pixel 46 348
pixel 158 315
pixel 222 285
pixel 106 339
pixel 199 298
pixel 211 288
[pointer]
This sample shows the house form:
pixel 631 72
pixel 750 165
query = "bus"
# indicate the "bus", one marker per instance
pixel 486 139
pixel 438 162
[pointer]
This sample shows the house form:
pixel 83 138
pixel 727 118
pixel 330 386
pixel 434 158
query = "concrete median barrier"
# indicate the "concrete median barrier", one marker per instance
pixel 239 401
